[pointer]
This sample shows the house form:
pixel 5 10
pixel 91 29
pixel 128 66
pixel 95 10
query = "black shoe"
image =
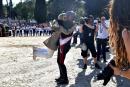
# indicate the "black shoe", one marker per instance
pixel 98 60
pixel 58 79
pixel 97 66
pixel 85 66
pixel 104 61
pixel 63 81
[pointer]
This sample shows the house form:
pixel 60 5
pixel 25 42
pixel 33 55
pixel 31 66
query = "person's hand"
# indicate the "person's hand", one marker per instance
pixel 117 71
pixel 126 38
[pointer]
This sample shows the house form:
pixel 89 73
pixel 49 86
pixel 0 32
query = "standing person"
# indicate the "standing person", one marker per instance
pixel 14 28
pixel 88 31
pixel 102 36
pixel 20 30
pixel 66 28
pixel 2 30
pixel 1 34
pixel 34 29
pixel 120 36
pixel 119 41
pixel 61 39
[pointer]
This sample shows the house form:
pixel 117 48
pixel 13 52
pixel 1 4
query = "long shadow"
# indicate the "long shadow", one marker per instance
pixel 80 64
pixel 80 80
pixel 83 80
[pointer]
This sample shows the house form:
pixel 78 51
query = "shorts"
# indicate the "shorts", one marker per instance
pixel 92 49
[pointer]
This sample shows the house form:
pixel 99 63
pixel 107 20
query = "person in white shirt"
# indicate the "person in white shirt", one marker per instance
pixel 102 36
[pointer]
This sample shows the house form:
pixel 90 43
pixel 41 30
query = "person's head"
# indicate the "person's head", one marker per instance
pixel 90 19
pixel 103 19
pixel 119 19
pixel 70 15
pixel 62 16
pixel 82 21
pixel 87 20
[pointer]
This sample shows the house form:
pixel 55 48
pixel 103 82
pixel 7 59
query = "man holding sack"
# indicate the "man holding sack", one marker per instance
pixel 61 40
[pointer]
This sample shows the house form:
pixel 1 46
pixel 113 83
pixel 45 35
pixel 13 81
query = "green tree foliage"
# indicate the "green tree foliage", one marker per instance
pixel 79 9
pixel 49 10
pixel 55 7
pixel 40 12
pixel 96 7
pixel 25 10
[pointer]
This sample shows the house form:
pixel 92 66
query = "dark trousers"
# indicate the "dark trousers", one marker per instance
pixel 101 48
pixel 91 47
pixel 34 31
pixel 62 51
pixel 75 38
pixel 81 38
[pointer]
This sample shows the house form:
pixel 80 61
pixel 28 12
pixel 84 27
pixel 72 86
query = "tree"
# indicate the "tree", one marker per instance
pixel 58 6
pixel 25 10
pixel 96 7
pixel 55 7
pixel 79 9
pixel 1 8
pixel 40 12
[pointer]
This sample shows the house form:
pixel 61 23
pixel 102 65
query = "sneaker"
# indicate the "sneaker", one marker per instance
pixel 98 59
pixel 85 66
pixel 104 61
pixel 63 81
pixel 97 66
pixel 58 79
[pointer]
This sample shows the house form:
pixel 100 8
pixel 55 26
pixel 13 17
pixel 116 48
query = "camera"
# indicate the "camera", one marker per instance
pixel 99 21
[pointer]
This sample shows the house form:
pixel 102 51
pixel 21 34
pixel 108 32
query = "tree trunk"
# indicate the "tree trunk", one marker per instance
pixel 1 9
pixel 40 12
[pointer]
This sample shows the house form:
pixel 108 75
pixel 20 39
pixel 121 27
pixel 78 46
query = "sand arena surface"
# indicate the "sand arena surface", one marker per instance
pixel 18 69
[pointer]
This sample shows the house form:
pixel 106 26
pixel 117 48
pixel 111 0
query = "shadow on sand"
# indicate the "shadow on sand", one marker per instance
pixel 83 80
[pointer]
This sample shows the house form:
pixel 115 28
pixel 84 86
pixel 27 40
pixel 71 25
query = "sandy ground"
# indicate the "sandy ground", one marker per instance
pixel 18 69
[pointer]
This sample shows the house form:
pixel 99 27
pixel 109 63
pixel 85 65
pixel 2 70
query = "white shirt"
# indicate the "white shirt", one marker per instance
pixel 77 29
pixel 102 31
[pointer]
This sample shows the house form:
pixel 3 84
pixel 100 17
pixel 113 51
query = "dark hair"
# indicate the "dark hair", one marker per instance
pixel 82 21
pixel 91 17
pixel 119 19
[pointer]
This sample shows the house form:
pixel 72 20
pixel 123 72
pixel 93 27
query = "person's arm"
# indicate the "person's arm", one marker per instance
pixel 96 27
pixel 90 26
pixel 105 25
pixel 126 38
pixel 125 74
pixel 81 29
pixel 121 73
pixel 55 26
